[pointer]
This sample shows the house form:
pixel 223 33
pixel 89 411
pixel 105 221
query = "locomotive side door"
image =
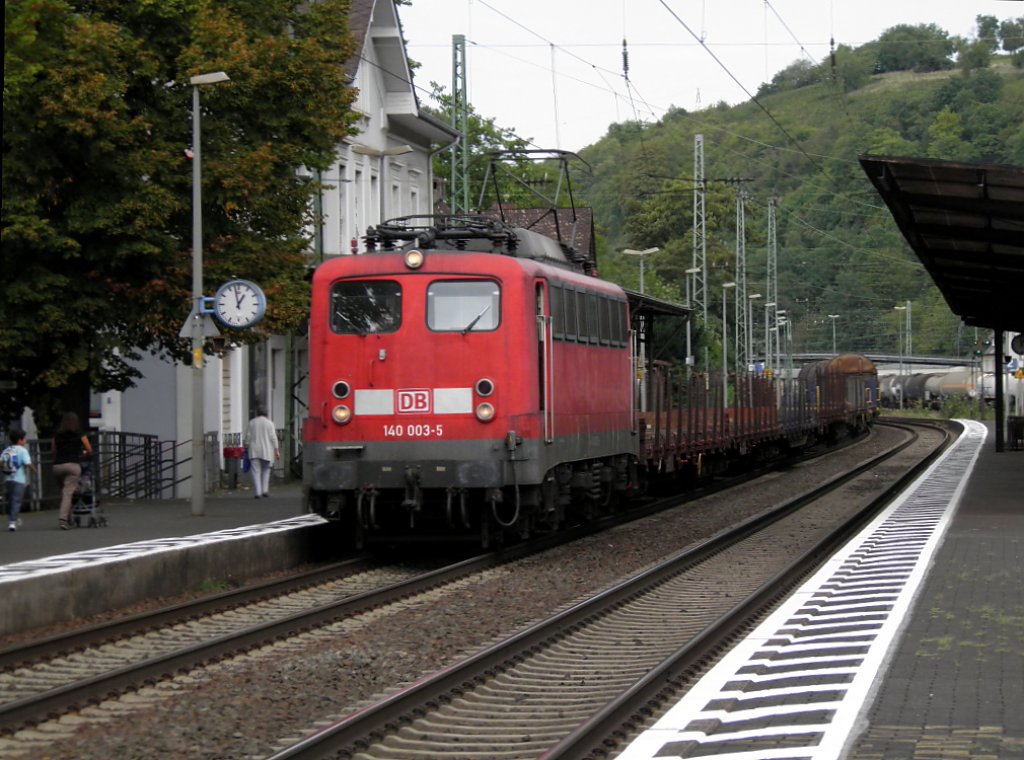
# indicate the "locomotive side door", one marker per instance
pixel 545 359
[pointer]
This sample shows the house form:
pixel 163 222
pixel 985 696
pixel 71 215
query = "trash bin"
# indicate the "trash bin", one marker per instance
pixel 1015 430
pixel 232 464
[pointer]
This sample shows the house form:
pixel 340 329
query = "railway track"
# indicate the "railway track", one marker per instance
pixel 49 677
pixel 46 678
pixel 59 674
pixel 575 679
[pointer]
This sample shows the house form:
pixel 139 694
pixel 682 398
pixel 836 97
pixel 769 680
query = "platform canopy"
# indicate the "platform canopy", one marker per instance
pixel 965 222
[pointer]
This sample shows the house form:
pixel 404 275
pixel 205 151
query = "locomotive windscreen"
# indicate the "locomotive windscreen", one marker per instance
pixel 362 308
pixel 463 306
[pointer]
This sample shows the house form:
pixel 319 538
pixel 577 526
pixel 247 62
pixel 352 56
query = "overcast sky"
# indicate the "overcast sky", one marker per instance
pixel 552 69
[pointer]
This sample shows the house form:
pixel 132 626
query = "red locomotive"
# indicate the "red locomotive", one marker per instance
pixel 471 379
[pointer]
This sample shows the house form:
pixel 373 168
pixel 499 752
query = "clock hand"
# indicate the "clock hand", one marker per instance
pixel 239 295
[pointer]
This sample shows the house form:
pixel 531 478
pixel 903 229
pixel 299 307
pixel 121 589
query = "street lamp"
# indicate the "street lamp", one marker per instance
pixel 199 319
pixel 909 335
pixel 833 317
pixel 780 321
pixel 725 340
pixel 690 274
pixel 642 254
pixel 899 340
pixel 751 364
pixel 767 337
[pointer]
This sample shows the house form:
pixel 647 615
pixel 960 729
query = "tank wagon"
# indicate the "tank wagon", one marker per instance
pixel 933 389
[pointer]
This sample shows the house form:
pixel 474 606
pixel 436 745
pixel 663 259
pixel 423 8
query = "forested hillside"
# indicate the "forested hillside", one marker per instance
pixel 839 251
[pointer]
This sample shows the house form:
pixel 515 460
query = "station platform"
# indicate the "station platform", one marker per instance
pixel 949 684
pixel 132 520
pixel 954 687
pixel 151 549
pixel 908 644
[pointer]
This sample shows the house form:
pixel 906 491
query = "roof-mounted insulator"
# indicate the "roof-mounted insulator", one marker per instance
pixel 370 239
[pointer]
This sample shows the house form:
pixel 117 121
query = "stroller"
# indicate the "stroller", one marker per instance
pixel 83 502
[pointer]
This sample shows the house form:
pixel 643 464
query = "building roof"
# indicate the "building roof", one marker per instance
pixel 965 222
pixel 376 23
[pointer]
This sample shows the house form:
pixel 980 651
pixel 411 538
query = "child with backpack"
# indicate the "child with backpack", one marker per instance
pixel 16 463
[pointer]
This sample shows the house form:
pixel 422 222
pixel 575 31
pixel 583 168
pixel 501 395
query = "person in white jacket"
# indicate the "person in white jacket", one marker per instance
pixel 262 447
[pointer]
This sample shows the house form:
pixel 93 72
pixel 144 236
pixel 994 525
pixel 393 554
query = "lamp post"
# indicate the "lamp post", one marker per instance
pixel 833 317
pixel 767 337
pixel 899 340
pixel 751 364
pixel 725 340
pixel 198 318
pixel 690 274
pixel 642 254
pixel 910 341
pixel 780 321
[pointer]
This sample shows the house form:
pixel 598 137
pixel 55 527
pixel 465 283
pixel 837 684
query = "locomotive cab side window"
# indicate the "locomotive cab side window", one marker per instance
pixel 363 308
pixel 463 306
pixel 570 315
pixel 557 311
pixel 582 328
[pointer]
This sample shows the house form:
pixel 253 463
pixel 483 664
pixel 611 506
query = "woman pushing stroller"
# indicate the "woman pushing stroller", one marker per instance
pixel 69 445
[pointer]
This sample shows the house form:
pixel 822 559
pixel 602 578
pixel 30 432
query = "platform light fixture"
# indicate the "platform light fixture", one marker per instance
pixel 199 319
pixel 833 317
pixel 642 254
pixel 725 340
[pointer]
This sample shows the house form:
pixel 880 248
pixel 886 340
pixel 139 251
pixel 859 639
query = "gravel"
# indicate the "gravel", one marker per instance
pixel 253 704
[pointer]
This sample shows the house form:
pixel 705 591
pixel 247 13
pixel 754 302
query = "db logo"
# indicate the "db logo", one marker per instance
pixel 414 402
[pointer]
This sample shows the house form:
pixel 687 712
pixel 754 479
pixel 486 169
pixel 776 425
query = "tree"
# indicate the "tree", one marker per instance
pixel 96 221
pixel 973 55
pixel 1011 32
pixel 924 47
pixel 800 73
pixel 485 139
pixel 988 31
pixel 945 138
pixel 853 67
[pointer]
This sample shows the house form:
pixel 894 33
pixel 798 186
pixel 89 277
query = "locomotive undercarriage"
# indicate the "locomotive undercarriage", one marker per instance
pixel 402 506
pixel 568 493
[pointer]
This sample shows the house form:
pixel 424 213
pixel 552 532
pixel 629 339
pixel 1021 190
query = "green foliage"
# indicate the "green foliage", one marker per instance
pixel 924 47
pixel 988 32
pixel 486 139
pixel 1011 34
pixel 839 249
pixel 853 68
pixel 974 55
pixel 945 138
pixel 97 181
pixel 798 74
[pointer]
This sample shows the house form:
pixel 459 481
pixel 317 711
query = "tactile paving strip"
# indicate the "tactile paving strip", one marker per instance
pixel 794 688
pixel 61 563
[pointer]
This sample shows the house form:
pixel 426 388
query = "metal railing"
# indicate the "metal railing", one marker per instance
pixel 133 466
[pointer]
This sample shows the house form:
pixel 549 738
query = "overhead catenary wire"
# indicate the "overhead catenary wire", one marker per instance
pixel 752 97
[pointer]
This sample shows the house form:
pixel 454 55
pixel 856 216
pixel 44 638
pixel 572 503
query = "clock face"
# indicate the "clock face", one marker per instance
pixel 240 303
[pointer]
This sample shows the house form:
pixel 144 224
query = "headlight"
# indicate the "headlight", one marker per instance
pixel 484 386
pixel 341 389
pixel 414 259
pixel 484 412
pixel 341 414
